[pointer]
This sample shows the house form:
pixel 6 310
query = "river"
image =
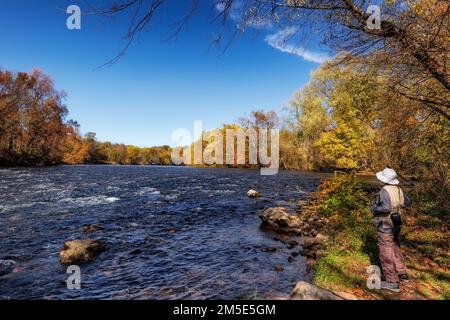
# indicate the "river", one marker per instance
pixel 171 232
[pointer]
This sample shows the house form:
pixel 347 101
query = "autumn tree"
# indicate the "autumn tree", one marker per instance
pixel 73 148
pixel 32 119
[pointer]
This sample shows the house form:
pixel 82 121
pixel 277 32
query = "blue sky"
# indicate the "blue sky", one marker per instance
pixel 158 86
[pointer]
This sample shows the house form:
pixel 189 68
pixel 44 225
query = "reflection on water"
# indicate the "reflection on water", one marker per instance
pixel 172 232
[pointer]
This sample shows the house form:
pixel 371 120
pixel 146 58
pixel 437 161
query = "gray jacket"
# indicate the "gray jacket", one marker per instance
pixel 391 199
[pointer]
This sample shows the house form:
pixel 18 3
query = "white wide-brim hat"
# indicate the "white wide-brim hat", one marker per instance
pixel 388 176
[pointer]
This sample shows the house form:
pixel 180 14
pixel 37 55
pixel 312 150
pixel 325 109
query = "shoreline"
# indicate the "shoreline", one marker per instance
pixel 199 198
pixel 333 232
pixel 340 244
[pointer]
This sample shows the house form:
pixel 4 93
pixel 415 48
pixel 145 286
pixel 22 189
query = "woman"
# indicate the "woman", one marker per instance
pixel 387 218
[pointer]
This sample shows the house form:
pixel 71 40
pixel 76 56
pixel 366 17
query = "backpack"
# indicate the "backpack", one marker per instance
pixel 397 199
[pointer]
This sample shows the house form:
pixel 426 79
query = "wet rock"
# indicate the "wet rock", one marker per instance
pixel 269 249
pixel 310 262
pixel 172 230
pixel 309 242
pixel 16 217
pixel 308 253
pixel 253 194
pixel 303 203
pixel 319 239
pixel 17 270
pixel 291 259
pixel 294 253
pixel 292 243
pixel 80 251
pixel 91 228
pixel 278 219
pixel 166 291
pixel 135 251
pixel 320 253
pixel 279 268
pixel 307 291
pixel 275 296
pixel 6 266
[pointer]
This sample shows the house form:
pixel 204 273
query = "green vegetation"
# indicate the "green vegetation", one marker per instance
pixel 352 247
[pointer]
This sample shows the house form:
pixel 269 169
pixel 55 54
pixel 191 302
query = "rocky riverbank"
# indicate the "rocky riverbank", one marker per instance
pixel 305 223
pixel 312 228
pixel 340 242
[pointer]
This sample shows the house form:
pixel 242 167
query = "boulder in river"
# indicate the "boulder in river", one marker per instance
pixel 269 249
pixel 91 228
pixel 307 291
pixel 135 251
pixel 278 219
pixel 253 194
pixel 279 268
pixel 80 251
pixel 6 266
pixel 292 243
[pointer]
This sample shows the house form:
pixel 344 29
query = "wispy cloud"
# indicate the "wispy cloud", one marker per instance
pixel 242 18
pixel 280 41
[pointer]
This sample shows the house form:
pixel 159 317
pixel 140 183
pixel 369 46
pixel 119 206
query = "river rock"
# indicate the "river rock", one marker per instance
pixel 310 262
pixel 91 228
pixel 319 239
pixel 135 251
pixel 6 266
pixel 279 268
pixel 80 251
pixel 278 219
pixel 308 253
pixel 308 291
pixel 253 194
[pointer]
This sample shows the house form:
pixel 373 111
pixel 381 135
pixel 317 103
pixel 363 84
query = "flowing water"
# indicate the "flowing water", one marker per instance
pixel 171 232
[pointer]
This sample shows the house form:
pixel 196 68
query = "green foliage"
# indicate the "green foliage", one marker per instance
pixel 333 115
pixel 343 194
pixel 345 200
pixel 335 272
pixel 347 117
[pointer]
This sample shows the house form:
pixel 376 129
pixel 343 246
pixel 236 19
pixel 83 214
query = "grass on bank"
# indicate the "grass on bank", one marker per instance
pixel 345 200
